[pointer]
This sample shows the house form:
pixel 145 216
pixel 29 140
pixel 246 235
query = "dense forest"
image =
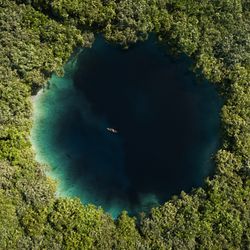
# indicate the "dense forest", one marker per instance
pixel 37 38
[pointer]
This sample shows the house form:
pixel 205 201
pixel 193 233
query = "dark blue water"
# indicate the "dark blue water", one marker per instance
pixel 167 127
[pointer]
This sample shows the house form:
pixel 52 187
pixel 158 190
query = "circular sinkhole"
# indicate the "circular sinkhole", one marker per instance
pixel 126 129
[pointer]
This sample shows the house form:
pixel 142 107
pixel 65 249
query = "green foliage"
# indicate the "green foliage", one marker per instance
pixel 37 37
pixel 76 227
pixel 9 226
pixel 126 233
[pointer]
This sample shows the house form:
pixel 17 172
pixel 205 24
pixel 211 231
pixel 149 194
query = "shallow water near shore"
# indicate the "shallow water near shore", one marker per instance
pixel 126 129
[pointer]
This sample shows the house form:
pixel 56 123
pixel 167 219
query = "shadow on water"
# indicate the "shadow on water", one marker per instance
pixel 167 126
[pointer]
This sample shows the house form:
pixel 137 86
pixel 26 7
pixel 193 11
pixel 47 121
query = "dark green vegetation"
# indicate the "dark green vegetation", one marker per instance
pixel 37 37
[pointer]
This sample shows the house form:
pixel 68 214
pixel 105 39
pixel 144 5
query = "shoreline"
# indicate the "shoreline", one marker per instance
pixel 45 113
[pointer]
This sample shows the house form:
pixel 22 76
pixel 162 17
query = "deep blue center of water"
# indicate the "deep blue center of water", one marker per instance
pixel 167 127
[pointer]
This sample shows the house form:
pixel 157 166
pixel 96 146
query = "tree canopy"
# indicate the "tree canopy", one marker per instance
pixel 37 37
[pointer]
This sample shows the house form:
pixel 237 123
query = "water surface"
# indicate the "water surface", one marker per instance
pixel 167 127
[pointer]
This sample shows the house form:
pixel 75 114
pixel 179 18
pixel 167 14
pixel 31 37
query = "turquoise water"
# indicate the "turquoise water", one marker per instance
pixel 165 127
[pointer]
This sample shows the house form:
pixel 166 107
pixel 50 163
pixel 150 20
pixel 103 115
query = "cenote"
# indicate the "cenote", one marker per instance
pixel 126 129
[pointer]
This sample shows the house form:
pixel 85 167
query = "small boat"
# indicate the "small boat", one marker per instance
pixel 112 130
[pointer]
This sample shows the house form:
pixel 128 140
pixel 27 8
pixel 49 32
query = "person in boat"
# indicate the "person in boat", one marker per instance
pixel 112 130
